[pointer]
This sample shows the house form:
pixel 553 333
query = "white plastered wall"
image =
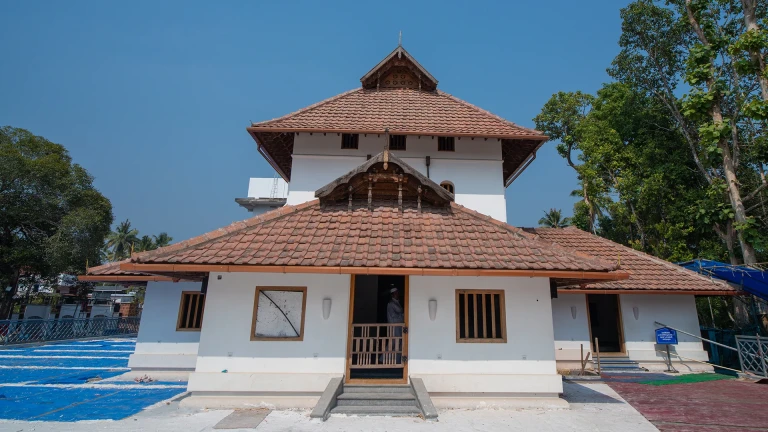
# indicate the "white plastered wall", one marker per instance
pixel 678 311
pixel 294 373
pixel 475 168
pixel 159 346
pixel 570 333
pixel 524 366
pixel 299 368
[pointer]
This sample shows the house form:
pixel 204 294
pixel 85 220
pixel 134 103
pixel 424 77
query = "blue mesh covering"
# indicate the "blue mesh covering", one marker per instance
pixel 751 280
pixel 36 393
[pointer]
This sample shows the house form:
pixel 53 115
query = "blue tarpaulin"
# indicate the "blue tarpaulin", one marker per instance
pixel 753 281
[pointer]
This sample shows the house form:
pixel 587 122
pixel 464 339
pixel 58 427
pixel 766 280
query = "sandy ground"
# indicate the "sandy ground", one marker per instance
pixel 594 407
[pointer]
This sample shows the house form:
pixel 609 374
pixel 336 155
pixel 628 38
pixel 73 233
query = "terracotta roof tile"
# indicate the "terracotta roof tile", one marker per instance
pixel 324 235
pixel 400 110
pixel 647 273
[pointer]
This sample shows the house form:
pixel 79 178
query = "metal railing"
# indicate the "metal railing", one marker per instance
pixel 753 352
pixel 36 330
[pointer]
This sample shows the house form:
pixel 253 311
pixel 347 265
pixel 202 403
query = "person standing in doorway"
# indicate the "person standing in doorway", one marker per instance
pixel 395 316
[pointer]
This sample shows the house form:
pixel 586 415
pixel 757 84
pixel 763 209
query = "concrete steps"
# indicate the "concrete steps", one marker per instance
pixel 617 364
pixel 377 401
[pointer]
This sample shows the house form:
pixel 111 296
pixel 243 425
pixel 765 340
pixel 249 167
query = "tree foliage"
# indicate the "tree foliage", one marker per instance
pixel 672 153
pixel 125 239
pixel 52 219
pixel 554 219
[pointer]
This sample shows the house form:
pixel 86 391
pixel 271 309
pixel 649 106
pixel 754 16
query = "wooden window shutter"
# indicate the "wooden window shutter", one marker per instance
pixel 480 316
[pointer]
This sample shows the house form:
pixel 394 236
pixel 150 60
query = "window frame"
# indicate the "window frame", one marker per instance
pixel 354 138
pixel 256 292
pixel 181 309
pixel 449 143
pixel 405 142
pixel 446 182
pixel 502 319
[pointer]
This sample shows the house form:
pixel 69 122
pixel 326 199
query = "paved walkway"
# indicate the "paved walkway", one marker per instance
pixel 727 405
pixel 75 380
pixel 594 407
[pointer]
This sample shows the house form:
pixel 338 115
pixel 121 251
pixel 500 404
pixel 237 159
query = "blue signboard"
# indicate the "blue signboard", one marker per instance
pixel 666 336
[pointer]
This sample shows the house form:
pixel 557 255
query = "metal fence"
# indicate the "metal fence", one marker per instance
pixel 753 353
pixel 36 330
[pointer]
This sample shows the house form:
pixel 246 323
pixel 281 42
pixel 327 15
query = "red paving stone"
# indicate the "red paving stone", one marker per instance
pixel 727 405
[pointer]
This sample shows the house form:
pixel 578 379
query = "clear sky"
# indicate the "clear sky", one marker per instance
pixel 153 97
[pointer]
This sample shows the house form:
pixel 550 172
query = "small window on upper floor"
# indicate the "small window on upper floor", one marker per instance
pixel 447 186
pixel 446 144
pixel 349 141
pixel 397 142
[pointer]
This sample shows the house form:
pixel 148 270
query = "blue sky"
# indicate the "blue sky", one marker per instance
pixel 153 98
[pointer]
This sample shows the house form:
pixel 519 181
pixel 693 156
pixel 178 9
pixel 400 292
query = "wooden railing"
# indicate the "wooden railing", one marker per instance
pixel 377 346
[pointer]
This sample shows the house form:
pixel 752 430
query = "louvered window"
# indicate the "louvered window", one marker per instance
pixel 191 311
pixel 446 144
pixel 397 142
pixel 349 141
pixel 480 316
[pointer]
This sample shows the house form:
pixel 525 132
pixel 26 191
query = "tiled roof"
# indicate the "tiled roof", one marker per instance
pixel 111 272
pixel 406 111
pixel 647 273
pixel 312 234
pixel 110 269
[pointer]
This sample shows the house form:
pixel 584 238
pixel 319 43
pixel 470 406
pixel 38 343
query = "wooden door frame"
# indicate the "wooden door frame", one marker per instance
pixel 406 307
pixel 620 323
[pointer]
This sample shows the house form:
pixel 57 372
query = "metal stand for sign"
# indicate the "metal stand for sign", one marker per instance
pixel 669 362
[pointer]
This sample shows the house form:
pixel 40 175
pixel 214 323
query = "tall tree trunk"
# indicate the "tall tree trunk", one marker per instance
pixel 729 165
pixel 750 20
pixel 727 235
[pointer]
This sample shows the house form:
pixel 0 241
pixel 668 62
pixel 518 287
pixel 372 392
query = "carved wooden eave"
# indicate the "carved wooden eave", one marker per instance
pixel 385 177
pixel 399 70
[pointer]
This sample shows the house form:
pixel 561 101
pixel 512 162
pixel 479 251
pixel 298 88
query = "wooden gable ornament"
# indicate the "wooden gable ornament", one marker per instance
pixel 399 70
pixel 384 177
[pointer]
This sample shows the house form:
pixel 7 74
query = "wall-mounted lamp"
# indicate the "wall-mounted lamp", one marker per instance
pixel 432 309
pixel 573 311
pixel 326 308
pixel 636 312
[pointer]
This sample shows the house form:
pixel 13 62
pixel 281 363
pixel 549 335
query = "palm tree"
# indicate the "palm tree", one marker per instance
pixel 145 243
pixel 163 239
pixel 554 219
pixel 120 241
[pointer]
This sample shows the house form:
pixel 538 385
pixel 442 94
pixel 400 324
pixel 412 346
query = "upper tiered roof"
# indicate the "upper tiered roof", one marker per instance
pixel 398 94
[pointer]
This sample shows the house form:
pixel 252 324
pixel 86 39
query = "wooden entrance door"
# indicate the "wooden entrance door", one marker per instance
pixel 377 352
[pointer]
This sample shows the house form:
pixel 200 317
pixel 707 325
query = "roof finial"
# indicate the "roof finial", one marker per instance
pixel 400 39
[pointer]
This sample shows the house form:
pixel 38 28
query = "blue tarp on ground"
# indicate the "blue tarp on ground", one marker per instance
pixel 751 280
pixel 36 385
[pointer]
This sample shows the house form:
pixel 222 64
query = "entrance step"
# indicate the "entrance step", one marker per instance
pixel 376 400
pixel 617 364
pixel 390 411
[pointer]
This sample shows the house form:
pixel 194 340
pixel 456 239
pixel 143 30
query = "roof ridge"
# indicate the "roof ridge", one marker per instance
pixel 232 228
pixel 484 111
pixel 308 108
pixel 642 254
pixel 527 236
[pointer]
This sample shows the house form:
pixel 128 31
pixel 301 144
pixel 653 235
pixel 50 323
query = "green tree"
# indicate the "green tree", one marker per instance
pixel 145 243
pixel 121 241
pixel 162 239
pixel 52 219
pixel 554 219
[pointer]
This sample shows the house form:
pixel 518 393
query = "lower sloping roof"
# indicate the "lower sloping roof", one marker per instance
pixel 314 236
pixel 647 273
pixel 111 272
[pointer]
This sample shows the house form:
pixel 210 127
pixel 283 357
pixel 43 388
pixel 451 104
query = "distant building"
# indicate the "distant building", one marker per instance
pixel 264 194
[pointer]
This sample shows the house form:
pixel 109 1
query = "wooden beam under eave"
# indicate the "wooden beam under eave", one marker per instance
pixel 206 268
pixel 124 278
pixel 258 129
pixel 651 291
